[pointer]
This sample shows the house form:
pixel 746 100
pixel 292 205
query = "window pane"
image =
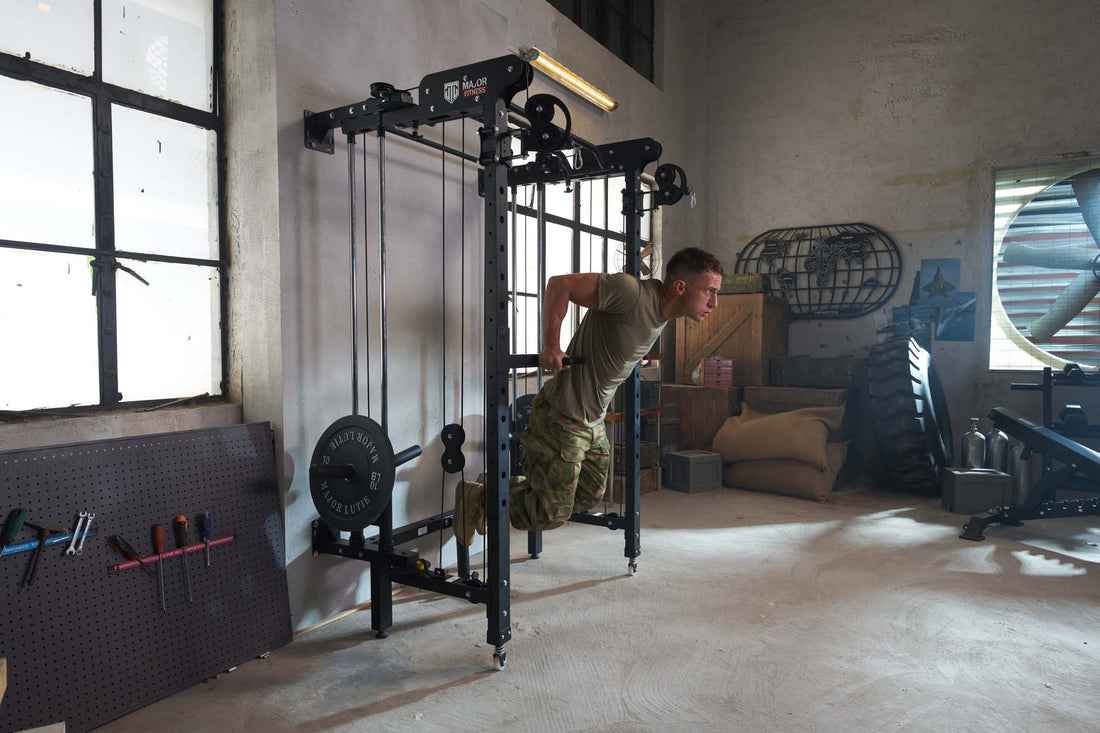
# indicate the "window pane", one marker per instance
pixel 616 34
pixel 641 55
pixel 46 186
pixel 48 329
pixel 593 195
pixel 559 250
pixel 558 202
pixel 642 15
pixel 616 258
pixel 526 268
pixel 615 188
pixel 54 32
pixel 647 220
pixel 169 343
pixel 591 254
pixel 161 47
pixel 165 186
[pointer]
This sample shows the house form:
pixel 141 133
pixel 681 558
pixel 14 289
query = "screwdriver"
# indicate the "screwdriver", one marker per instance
pixel 12 526
pixel 179 526
pixel 123 548
pixel 204 533
pixel 158 547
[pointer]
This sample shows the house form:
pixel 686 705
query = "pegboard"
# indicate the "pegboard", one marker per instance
pixel 87 643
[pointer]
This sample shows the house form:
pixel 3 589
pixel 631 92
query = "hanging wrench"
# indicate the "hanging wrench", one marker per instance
pixel 71 549
pixel 87 527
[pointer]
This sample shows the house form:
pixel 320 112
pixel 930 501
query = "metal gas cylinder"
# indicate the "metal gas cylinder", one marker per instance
pixel 972 454
pixel 1021 475
pixel 996 450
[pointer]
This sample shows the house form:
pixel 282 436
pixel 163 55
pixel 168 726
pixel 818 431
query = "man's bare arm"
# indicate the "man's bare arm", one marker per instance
pixel 561 290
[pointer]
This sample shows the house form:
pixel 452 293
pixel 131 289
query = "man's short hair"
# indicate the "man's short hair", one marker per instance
pixel 687 263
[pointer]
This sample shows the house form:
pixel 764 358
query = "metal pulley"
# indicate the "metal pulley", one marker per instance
pixel 671 183
pixel 352 472
pixel 544 136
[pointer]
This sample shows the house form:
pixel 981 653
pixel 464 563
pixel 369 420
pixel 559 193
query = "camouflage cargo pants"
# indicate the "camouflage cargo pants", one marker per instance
pixel 565 467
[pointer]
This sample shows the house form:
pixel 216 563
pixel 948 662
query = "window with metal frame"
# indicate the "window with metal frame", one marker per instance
pixel 1045 307
pixel 584 232
pixel 624 27
pixel 112 223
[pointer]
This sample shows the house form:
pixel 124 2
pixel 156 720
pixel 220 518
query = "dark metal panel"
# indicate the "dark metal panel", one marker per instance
pixel 494 135
pixel 86 644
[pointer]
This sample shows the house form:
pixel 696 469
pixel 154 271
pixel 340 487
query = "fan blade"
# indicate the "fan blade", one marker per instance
pixel 1055 256
pixel 1069 304
pixel 1086 187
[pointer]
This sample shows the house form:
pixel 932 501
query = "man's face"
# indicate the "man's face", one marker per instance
pixel 700 295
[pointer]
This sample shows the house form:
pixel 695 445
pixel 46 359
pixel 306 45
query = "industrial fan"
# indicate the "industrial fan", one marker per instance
pixel 1048 272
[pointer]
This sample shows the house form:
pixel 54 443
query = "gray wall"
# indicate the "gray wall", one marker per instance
pixel 327 54
pixel 895 113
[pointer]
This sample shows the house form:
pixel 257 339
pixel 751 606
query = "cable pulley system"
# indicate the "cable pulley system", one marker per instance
pixel 353 467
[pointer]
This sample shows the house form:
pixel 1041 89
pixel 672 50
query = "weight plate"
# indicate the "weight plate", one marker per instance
pixel 353 503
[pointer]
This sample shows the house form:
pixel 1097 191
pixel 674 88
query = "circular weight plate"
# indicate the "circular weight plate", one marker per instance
pixel 352 504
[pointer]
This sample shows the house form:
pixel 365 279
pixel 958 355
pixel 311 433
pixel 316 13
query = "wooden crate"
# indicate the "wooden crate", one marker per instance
pixel 702 411
pixel 649 478
pixel 748 329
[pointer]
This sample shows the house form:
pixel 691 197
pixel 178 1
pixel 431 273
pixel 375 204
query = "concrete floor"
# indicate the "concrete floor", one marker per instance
pixel 750 612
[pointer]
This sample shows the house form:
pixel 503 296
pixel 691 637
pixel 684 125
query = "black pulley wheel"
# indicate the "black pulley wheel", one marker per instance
pixel 909 414
pixel 352 473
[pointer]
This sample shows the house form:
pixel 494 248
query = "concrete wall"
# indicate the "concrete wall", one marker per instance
pixel 327 54
pixel 895 114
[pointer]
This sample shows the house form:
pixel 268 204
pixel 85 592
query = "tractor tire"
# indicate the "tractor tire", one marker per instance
pixel 909 415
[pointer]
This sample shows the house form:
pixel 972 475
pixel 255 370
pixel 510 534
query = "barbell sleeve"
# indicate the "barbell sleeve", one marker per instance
pixel 407 455
pixel 322 470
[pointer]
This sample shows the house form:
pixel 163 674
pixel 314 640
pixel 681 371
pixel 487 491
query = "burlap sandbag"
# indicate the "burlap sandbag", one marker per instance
pixel 791 478
pixel 799 435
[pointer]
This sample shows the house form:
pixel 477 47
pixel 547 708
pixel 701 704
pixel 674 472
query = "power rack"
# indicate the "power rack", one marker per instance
pixel 483 92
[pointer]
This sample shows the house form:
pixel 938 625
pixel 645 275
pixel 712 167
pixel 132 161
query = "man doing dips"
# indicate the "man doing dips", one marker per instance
pixel 565 448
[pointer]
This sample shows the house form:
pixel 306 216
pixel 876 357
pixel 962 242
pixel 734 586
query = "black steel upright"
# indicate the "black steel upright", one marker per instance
pixel 495 140
pixel 632 209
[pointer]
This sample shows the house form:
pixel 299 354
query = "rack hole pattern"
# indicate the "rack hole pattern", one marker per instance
pixel 86 644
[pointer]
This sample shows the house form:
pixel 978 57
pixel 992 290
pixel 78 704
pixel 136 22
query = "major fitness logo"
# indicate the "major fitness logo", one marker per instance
pixel 450 91
pixel 466 88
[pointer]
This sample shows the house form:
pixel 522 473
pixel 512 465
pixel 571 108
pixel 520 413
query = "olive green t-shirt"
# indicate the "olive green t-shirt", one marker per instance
pixel 612 338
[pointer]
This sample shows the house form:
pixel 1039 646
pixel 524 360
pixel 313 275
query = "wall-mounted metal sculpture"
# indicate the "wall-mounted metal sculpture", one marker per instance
pixel 831 271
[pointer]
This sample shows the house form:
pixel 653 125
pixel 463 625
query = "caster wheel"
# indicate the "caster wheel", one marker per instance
pixel 632 568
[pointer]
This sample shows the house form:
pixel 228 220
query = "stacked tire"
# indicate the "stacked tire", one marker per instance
pixel 909 414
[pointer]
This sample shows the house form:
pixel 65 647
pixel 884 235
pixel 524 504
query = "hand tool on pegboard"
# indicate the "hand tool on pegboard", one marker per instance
pixel 12 526
pixel 71 549
pixel 44 532
pixel 122 547
pixel 158 547
pixel 205 525
pixel 179 527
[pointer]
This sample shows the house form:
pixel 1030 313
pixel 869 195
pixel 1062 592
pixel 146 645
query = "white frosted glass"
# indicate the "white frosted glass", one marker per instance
pixel 558 202
pixel 615 188
pixel 647 221
pixel 559 250
pixel 593 195
pixel 48 331
pixel 46 185
pixel 161 47
pixel 169 344
pixel 55 32
pixel 165 186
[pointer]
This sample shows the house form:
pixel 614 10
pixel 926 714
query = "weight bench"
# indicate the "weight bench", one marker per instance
pixel 1080 471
